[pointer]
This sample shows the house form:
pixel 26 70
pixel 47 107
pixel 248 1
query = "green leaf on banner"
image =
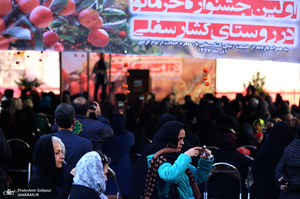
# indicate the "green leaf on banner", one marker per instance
pixel 58 5
pixel 112 12
pixel 39 40
pixel 114 25
pixel 108 3
pixel 26 21
pixel 56 24
pixel 67 37
pixel 18 32
pixel 77 1
pixel 84 4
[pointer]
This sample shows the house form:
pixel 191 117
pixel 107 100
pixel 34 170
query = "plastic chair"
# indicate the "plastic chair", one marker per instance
pixel 212 148
pixel 223 168
pixel 249 183
pixel 20 160
pixel 249 179
pixel 227 129
pixel 252 148
pixel 111 174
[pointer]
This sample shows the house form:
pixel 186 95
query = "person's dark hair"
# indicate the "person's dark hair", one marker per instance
pixel 64 115
pixel 187 98
pixel 252 88
pixel 120 97
pixel 9 93
pixel 104 158
pixel 81 105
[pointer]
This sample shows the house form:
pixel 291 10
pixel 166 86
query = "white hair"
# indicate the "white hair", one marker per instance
pixel 58 140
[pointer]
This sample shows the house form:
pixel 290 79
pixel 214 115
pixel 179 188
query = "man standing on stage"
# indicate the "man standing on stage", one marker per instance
pixel 100 78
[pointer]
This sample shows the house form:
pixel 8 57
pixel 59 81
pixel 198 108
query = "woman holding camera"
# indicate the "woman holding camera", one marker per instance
pixel 170 171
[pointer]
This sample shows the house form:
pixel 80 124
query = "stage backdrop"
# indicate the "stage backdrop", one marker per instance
pixel 166 73
pixel 237 29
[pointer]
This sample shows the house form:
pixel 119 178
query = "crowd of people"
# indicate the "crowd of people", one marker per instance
pixel 156 149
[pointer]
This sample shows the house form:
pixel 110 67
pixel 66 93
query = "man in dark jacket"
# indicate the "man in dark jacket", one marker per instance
pixel 75 145
pixel 97 131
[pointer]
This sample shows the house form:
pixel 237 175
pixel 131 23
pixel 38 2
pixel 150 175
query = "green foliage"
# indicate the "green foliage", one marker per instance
pixel 258 82
pixel 25 84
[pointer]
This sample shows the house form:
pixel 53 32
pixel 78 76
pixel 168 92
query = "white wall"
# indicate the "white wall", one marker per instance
pixel 231 74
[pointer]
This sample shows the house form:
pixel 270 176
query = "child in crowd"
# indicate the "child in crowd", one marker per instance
pixel 258 126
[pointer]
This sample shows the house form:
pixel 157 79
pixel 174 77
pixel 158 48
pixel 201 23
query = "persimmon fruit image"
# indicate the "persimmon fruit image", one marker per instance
pixel 122 33
pixel 97 25
pixel 4 43
pixel 2 25
pixel 59 47
pixel 205 70
pixel 98 37
pixel 41 16
pixel 26 6
pixel 5 7
pixel 50 38
pixel 69 8
pixel 88 17
pixel 207 83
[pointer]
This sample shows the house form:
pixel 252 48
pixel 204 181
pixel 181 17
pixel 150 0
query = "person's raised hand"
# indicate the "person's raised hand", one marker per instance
pixel 206 154
pixel 98 109
pixel 193 152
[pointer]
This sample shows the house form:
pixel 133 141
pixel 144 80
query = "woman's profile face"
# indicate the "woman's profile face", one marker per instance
pixel 181 136
pixel 59 157
pixel 105 170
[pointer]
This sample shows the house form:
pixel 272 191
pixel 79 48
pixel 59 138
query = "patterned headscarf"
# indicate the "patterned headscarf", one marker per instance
pixel 89 173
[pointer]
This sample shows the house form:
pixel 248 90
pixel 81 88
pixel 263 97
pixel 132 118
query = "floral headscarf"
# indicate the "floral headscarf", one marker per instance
pixel 89 173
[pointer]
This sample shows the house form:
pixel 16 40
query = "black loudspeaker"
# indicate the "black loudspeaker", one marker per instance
pixel 139 83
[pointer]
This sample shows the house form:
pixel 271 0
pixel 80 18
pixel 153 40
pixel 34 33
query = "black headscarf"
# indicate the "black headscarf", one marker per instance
pixel 167 134
pixel 44 161
pixel 266 159
pixel 118 124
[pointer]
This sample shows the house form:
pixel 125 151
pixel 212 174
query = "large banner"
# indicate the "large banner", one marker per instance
pixel 239 29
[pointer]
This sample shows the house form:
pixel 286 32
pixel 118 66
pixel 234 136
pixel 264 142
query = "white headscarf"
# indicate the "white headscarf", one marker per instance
pixel 89 173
